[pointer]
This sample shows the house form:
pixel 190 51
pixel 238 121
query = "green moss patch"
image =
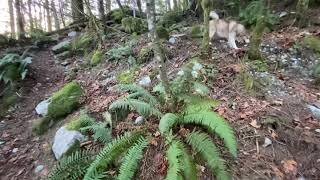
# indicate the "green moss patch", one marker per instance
pixel 145 54
pixel 80 121
pixel 65 100
pixel 313 43
pixel 133 25
pixel 97 57
pixel 126 77
pixel 162 32
pixel 197 31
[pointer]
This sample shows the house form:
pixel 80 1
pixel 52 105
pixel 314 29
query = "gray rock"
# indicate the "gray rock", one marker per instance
pixel 145 81
pixel 63 55
pixel 72 34
pixel 65 63
pixel 42 107
pixel 267 142
pixel 317 130
pixel 139 120
pixel 2 142
pixel 61 47
pixel 64 140
pixel 38 168
pixel 172 40
pixel 282 14
pixel 315 111
pixel 15 150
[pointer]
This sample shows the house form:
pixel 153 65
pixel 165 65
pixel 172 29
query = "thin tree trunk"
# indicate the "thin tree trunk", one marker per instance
pixel 20 25
pixel 119 4
pixel 47 8
pixel 61 12
pixel 108 6
pixel 151 18
pixel 30 15
pixel 205 41
pixel 168 2
pixel 40 17
pixel 12 20
pixel 175 5
pixel 101 10
pixel 55 16
pixel 139 7
pixel 77 10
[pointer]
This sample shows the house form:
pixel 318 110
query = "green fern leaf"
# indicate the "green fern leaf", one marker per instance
pixel 174 153
pixel 140 107
pixel 215 124
pixel 200 88
pixel 72 167
pixel 100 132
pixel 167 122
pixel 137 91
pixel 202 144
pixel 111 151
pixel 189 168
pixel 131 160
pixel 196 103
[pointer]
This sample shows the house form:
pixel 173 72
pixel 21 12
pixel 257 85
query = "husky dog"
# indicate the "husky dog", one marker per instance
pixel 223 29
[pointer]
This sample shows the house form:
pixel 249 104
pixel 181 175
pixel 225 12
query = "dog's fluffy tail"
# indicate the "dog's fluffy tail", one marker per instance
pixel 214 15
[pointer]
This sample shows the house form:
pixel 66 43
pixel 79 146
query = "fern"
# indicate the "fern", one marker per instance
pixel 137 91
pixel 131 160
pixel 100 132
pixel 81 121
pixel 189 167
pixel 72 167
pixel 196 103
pixel 174 154
pixel 110 152
pixel 215 124
pixel 167 122
pixel 141 107
pixel 202 144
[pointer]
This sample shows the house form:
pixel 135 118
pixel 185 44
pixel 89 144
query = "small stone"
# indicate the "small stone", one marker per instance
pixel 15 150
pixel 42 107
pixel 72 34
pixel 172 40
pixel 139 120
pixel 2 142
pixel 317 130
pixel 315 111
pixel 282 14
pixel 145 81
pixel 38 169
pixel 267 142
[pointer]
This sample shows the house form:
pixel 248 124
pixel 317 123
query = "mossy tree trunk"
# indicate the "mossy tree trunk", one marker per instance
pixel 12 20
pixel 256 38
pixel 302 8
pixel 159 53
pixel 100 4
pixel 205 4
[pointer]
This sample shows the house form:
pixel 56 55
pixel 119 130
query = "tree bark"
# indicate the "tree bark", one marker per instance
pixel 151 18
pixel 100 5
pixel 168 2
pixel 40 16
pixel 30 15
pixel 206 8
pixel 48 15
pixel 108 6
pixel 12 20
pixel 119 4
pixel 20 25
pixel 77 10
pixel 139 7
pixel 175 5
pixel 55 16
pixel 61 12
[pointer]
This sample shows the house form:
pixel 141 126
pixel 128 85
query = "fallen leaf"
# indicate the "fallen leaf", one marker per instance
pixel 157 134
pixel 277 172
pixel 255 124
pixel 154 142
pixel 289 166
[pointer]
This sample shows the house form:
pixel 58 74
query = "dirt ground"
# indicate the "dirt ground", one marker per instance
pixel 294 151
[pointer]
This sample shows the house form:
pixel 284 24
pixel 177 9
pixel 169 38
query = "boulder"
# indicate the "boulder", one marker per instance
pixel 72 34
pixel 61 47
pixel 314 110
pixel 42 107
pixel 65 140
pixel 145 81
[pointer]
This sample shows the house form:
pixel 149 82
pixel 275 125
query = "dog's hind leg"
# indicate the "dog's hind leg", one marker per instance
pixel 232 40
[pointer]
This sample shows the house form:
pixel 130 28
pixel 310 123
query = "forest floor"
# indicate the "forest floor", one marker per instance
pixel 277 134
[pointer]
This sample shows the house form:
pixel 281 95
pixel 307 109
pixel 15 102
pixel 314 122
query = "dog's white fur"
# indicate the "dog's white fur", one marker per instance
pixel 223 29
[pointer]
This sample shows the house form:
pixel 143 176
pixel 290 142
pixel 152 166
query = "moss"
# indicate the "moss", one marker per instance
pixel 80 121
pixel 145 54
pixel 97 57
pixel 83 42
pixel 118 14
pixel 133 25
pixel 65 100
pixel 41 125
pixel 313 43
pixel 126 77
pixel 197 31
pixel 162 32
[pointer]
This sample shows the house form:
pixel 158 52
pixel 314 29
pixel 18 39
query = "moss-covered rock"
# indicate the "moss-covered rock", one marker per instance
pixel 313 43
pixel 97 57
pixel 133 25
pixel 145 54
pixel 126 77
pixel 80 121
pixel 197 31
pixel 162 32
pixel 61 47
pixel 65 101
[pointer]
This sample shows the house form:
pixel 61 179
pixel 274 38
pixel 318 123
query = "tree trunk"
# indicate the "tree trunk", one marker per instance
pixel 302 8
pixel 12 20
pixel 61 12
pixel 151 18
pixel 256 38
pixel 47 9
pixel 175 5
pixel 40 17
pixel 139 7
pixel 20 25
pixel 77 10
pixel 168 2
pixel 159 52
pixel 101 10
pixel 30 15
pixel 119 4
pixel 206 8
pixel 55 16
pixel 108 6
